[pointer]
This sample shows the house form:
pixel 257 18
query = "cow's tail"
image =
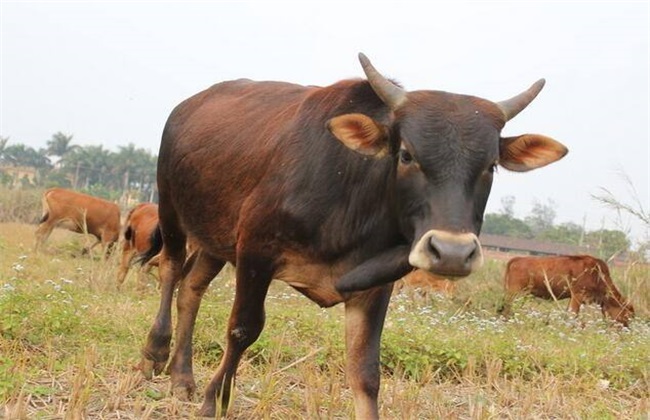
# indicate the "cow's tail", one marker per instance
pixel 46 209
pixel 129 235
pixel 156 246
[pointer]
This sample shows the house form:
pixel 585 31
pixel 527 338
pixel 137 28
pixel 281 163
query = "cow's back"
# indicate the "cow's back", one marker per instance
pixel 560 274
pixel 261 152
pixel 216 141
pixel 542 277
pixel 84 211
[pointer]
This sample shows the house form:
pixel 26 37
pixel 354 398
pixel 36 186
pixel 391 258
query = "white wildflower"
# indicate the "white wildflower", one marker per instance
pixel 603 384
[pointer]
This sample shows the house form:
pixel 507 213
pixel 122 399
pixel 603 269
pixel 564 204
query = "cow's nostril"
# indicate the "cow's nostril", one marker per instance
pixel 433 250
pixel 471 256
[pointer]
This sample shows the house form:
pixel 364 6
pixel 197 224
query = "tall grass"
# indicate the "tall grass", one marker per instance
pixel 69 341
pixel 22 205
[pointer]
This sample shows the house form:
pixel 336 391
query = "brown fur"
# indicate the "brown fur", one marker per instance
pixel 581 278
pixel 79 213
pixel 424 283
pixel 140 223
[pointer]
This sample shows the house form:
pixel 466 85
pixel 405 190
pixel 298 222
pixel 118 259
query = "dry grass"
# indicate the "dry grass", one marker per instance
pixel 69 339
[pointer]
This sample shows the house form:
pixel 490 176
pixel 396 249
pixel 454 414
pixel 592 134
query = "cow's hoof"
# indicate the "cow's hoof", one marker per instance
pixel 146 367
pixel 208 410
pixel 183 392
pixel 149 368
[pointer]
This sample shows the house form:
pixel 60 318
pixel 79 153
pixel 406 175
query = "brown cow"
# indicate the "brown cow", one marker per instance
pixel 338 191
pixel 423 282
pixel 79 213
pixel 582 278
pixel 139 226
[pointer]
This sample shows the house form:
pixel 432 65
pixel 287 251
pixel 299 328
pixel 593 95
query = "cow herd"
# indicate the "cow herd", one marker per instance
pixel 338 191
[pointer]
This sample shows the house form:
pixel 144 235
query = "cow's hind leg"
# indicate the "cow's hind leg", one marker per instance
pixel 156 349
pixel 89 249
pixel 43 232
pixel 125 264
pixel 244 327
pixel 203 270
pixel 364 321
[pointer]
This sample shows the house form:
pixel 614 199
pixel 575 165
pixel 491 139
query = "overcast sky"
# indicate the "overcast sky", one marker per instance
pixel 110 73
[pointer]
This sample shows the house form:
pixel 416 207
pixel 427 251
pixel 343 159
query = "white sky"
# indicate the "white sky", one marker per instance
pixel 110 73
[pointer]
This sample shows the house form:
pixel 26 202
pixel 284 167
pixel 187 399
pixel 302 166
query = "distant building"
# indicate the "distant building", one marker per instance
pixel 19 175
pixel 501 243
pixel 499 247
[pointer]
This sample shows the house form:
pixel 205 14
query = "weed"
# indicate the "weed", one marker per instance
pixel 69 339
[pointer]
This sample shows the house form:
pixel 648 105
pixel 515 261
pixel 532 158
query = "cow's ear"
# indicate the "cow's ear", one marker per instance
pixel 360 133
pixel 529 151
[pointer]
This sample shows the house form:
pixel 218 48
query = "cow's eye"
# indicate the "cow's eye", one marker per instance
pixel 405 157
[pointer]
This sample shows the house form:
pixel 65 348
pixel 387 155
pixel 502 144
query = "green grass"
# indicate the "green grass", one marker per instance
pixel 69 341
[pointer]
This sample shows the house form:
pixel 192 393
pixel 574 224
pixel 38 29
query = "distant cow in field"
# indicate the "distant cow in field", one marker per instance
pixel 582 278
pixel 140 223
pixel 338 191
pixel 79 213
pixel 423 283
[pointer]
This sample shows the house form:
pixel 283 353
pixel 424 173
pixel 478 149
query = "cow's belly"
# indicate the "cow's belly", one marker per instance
pixel 544 290
pixel 314 280
pixel 70 224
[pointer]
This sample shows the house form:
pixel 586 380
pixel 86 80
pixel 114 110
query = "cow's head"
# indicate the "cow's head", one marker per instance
pixel 618 310
pixel 446 147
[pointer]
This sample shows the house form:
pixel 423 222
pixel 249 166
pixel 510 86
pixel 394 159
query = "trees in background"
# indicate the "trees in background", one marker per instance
pixel 539 225
pixel 128 174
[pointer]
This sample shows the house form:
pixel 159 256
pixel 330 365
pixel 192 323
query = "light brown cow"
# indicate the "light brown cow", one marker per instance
pixel 79 213
pixel 423 283
pixel 140 223
pixel 582 278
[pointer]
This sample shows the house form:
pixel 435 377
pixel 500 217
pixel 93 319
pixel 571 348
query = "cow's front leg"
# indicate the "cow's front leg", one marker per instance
pixel 575 303
pixel 364 320
pixel 384 268
pixel 203 270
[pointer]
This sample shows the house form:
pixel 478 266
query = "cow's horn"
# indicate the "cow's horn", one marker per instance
pixel 390 93
pixel 513 106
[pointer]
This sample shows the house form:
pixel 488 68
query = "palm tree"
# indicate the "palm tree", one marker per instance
pixel 98 161
pixel 127 159
pixel 136 167
pixel 77 166
pixel 59 146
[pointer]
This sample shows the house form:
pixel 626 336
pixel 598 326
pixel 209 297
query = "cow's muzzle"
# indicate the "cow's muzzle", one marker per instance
pixel 447 254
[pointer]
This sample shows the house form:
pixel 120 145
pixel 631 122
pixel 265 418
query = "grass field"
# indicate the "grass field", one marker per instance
pixel 69 341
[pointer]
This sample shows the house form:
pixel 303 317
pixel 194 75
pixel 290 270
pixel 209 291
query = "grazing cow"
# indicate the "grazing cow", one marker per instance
pixel 423 282
pixel 139 226
pixel 582 278
pixel 79 213
pixel 338 191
